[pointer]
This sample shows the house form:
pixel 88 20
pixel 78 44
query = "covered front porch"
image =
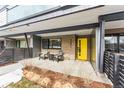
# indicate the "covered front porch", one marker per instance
pixel 68 67
pixel 70 29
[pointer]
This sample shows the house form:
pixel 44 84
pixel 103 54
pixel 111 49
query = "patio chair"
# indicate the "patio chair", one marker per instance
pixel 44 55
pixel 59 57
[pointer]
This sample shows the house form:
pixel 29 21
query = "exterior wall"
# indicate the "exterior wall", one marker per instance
pixel 67 46
pixel 10 43
pixel 114 31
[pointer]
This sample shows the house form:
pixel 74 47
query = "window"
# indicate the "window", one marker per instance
pixel 51 43
pixel 18 43
pixel 111 43
pixel 54 43
pixel 45 43
pixel 21 44
pixel 121 44
pixel 21 11
pixel 3 18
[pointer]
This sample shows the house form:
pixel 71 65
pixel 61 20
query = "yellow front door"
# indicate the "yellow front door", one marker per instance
pixel 82 49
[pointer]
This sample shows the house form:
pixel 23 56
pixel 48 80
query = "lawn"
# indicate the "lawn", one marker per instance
pixel 24 83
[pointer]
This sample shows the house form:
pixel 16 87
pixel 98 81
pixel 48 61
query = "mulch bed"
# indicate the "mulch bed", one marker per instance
pixel 51 79
pixel 6 63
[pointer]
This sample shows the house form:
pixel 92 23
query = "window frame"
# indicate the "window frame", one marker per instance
pixel 118 35
pixel 52 45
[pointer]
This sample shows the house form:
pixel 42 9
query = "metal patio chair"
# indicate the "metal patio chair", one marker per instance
pixel 44 55
pixel 59 57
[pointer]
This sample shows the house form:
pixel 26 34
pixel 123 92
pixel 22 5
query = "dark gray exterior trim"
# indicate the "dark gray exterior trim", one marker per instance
pixel 101 45
pixel 26 39
pixel 63 29
pixel 112 16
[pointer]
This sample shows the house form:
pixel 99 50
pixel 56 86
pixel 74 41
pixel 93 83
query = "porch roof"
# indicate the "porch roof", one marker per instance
pixel 61 23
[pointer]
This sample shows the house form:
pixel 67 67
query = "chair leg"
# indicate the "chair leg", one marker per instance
pixel 57 60
pixel 39 58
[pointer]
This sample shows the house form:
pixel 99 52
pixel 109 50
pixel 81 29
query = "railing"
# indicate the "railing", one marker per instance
pixel 6 56
pixel 109 65
pixel 120 71
pixel 21 53
pixel 114 68
pixel 14 54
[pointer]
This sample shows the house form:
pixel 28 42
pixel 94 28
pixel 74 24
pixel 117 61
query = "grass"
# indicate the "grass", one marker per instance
pixel 24 83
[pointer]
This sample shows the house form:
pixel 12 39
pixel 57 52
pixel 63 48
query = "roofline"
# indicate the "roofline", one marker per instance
pixel 3 8
pixel 61 29
pixel 47 12
pixel 112 16
pixel 54 9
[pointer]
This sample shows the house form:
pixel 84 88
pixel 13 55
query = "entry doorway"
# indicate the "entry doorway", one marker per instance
pixel 82 44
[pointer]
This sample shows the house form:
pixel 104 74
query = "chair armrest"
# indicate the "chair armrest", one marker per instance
pixel 40 54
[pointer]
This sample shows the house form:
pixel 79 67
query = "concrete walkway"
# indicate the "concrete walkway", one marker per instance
pixel 10 68
pixel 70 67
pixel 10 73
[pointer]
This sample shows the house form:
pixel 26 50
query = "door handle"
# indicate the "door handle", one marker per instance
pixel 79 50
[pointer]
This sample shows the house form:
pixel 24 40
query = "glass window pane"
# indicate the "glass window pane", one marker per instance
pixel 3 19
pixel 111 43
pixel 121 44
pixel 18 43
pixel 24 11
pixel 23 44
pixel 45 43
pixel 55 43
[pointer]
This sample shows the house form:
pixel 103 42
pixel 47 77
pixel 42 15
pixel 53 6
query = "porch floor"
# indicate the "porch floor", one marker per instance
pixel 70 67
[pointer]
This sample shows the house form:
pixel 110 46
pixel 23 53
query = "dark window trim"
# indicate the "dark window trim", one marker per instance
pixel 115 35
pixel 49 43
pixel 118 40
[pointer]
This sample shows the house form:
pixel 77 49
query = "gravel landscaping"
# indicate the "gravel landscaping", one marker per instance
pixel 50 79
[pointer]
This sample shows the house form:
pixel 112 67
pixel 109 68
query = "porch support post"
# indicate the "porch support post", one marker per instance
pixel 26 38
pixel 100 45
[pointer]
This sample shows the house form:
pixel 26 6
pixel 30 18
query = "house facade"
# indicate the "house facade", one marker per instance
pixel 81 32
